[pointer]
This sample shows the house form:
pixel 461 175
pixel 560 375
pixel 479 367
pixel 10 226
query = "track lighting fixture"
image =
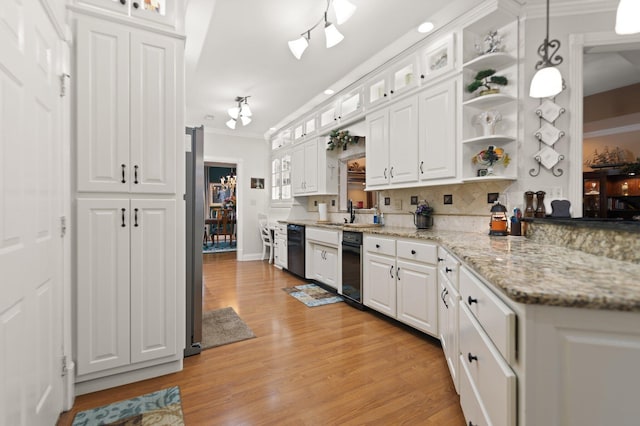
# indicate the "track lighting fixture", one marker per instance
pixel 547 81
pixel 343 10
pixel 242 111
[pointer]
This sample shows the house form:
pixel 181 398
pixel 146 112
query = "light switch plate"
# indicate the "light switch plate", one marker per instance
pixel 397 204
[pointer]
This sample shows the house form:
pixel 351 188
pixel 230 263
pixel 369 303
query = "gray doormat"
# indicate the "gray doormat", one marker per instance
pixel 223 326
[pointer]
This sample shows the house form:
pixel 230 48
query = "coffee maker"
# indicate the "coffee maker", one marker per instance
pixel 499 220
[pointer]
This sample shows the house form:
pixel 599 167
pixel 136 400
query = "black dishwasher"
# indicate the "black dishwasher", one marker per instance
pixel 295 250
pixel 352 268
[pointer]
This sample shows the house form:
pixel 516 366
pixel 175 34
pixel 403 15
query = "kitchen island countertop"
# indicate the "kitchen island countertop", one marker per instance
pixel 531 272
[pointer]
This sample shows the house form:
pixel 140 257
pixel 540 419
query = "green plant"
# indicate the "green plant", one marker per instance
pixel 486 79
pixel 341 139
pixel 632 167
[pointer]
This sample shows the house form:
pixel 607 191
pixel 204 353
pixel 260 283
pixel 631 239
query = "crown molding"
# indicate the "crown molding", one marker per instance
pixel 569 8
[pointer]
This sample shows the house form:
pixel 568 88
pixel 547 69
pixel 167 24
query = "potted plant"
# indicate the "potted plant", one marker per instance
pixel 341 139
pixel 422 217
pixel 488 80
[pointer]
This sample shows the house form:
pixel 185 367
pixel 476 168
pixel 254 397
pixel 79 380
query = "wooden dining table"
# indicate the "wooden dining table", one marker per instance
pixel 217 221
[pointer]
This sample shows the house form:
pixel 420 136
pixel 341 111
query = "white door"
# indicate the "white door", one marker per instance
pixel 377 148
pixel 153 113
pixel 102 57
pixel 437 138
pixel 403 141
pixel 31 247
pixel 417 296
pixel 103 295
pixel 154 283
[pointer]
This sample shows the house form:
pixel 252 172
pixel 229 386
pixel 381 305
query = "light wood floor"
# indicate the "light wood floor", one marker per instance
pixel 328 365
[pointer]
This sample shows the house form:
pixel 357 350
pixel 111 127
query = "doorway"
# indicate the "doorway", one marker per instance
pixel 220 207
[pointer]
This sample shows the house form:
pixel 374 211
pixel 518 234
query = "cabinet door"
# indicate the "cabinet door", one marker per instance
pixel 103 285
pixel 154 284
pixel 376 90
pixel 350 104
pixel 330 267
pixel 417 286
pixel 403 141
pixel 437 137
pixel 311 160
pixel 405 75
pixel 102 70
pixel 379 284
pixel 453 339
pixel 377 148
pixel 153 113
pixel 297 170
pixel 328 117
pixel 317 267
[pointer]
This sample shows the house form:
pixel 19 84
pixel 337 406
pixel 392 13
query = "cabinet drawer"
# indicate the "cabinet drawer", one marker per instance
pixel 449 266
pixel 470 400
pixel 494 316
pixel 488 372
pixel 323 236
pixel 378 245
pixel 421 252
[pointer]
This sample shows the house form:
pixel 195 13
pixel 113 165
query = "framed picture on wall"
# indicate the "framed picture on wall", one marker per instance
pixel 216 194
pixel 257 183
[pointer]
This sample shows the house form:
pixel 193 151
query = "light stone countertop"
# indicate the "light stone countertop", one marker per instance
pixel 531 272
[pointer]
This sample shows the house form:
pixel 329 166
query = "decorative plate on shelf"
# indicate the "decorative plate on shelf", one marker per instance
pixel 549 110
pixel 548 134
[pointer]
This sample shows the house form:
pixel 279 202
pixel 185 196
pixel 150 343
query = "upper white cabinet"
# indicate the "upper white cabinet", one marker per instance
pixel 156 11
pixel 126 109
pixel 490 119
pixel 281 177
pixel 437 131
pixel 396 79
pixel 314 171
pixel 345 108
pixel 305 128
pixel 392 144
pixel 437 59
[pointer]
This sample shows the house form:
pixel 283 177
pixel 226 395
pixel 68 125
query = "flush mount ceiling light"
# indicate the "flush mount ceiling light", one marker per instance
pixel 241 111
pixel 628 17
pixel 425 27
pixel 547 81
pixel 343 10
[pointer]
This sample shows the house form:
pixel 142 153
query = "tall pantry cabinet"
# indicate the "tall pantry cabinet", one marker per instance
pixel 129 154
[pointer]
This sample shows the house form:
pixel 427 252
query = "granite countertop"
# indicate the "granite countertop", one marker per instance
pixel 531 272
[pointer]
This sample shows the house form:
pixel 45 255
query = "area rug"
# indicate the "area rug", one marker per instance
pixel 158 408
pixel 223 326
pixel 220 247
pixel 313 295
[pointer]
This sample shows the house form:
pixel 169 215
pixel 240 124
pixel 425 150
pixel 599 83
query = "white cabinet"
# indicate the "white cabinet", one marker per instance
pixel 448 306
pixel 344 109
pixel 281 177
pixel 398 78
pixel 305 128
pixel 127 284
pixel 322 260
pixel 400 280
pixel 155 11
pixel 314 171
pixel 280 257
pixel 437 131
pixel 392 144
pixel 127 109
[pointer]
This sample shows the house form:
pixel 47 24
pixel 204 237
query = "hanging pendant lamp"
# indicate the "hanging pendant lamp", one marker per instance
pixel 547 81
pixel 628 17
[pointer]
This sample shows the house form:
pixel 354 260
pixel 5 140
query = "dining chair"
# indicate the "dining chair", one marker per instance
pixel 226 224
pixel 265 234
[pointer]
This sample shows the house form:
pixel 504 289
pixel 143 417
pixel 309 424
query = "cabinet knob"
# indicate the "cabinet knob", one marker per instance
pixel 123 224
pixel 471 300
pixel 472 357
pixel 391 172
pixel 472 424
pixel 391 91
pixel 135 217
pixel 135 174
pixel 377 245
pixel 391 271
pixel 136 4
pixel 398 274
pixel 123 166
pixel 385 173
pixel 385 95
pixel 447 269
pixel 123 2
pixel 440 259
pixel 413 252
pixel 422 76
pixel 421 164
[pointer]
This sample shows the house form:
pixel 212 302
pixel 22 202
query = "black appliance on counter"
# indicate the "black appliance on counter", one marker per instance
pixel 295 250
pixel 352 268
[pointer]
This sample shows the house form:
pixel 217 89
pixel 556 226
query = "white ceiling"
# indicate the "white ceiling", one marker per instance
pixel 239 48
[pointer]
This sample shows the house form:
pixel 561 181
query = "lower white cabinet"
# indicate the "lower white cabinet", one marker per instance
pixel 322 258
pixel 280 246
pixel 126 282
pixel 448 327
pixel 400 280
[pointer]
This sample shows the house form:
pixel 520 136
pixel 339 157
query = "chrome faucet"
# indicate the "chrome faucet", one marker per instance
pixel 352 213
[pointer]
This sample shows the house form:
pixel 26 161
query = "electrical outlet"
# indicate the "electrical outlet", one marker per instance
pixel 387 201
pixel 333 203
pixel 414 200
pixel 555 192
pixel 448 199
pixel 315 203
pixel 397 204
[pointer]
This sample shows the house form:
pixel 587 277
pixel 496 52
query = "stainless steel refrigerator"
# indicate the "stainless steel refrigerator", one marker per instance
pixel 194 200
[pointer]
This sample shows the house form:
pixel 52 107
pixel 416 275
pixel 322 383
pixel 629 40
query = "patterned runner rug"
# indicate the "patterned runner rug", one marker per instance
pixel 158 408
pixel 313 295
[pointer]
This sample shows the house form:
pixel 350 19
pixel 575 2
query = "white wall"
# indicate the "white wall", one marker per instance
pixel 252 157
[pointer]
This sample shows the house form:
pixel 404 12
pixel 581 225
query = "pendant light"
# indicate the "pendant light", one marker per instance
pixel 547 81
pixel 628 17
pixel 343 10
pixel 242 111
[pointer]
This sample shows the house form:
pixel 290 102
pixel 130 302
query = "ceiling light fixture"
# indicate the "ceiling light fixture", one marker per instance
pixel 343 10
pixel 241 111
pixel 628 17
pixel 425 27
pixel 547 81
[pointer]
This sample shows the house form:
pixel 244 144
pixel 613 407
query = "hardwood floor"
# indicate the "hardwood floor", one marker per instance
pixel 328 365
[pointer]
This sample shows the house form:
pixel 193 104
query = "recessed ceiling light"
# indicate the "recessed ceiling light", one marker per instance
pixel 209 117
pixel 329 92
pixel 273 129
pixel 425 27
